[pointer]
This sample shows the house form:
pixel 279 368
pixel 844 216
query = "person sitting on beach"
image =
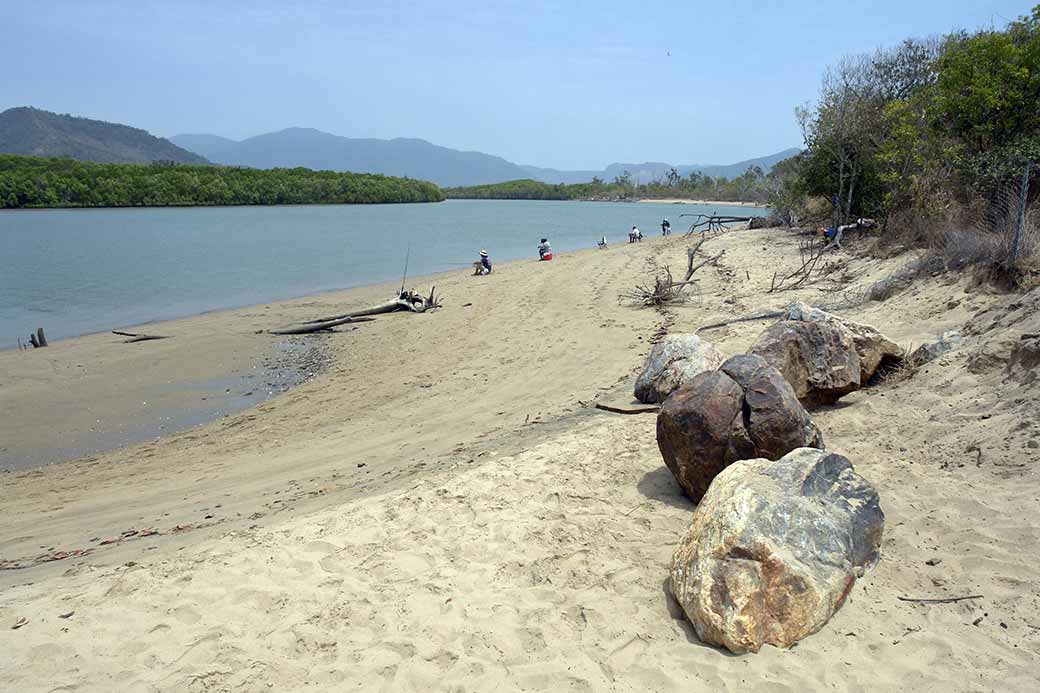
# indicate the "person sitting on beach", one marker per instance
pixel 835 234
pixel 483 265
pixel 603 242
pixel 666 227
pixel 544 250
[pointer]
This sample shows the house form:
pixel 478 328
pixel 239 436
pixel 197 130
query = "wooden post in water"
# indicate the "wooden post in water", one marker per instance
pixel 40 337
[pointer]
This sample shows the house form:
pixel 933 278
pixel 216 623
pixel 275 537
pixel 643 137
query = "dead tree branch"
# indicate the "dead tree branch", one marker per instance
pixel 136 337
pixel 746 318
pixel 810 271
pixel 320 326
pixel 620 410
pixel 408 300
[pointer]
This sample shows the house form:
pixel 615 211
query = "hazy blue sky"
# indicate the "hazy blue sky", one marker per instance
pixel 562 84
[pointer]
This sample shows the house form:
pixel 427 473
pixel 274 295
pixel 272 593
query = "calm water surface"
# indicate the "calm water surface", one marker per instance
pixel 74 272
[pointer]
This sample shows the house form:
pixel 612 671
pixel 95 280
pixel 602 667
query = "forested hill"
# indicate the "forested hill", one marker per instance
pixel 33 132
pixel 39 182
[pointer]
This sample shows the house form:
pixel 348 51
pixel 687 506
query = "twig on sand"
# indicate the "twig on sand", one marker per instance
pixel 620 410
pixel 944 600
pixel 746 318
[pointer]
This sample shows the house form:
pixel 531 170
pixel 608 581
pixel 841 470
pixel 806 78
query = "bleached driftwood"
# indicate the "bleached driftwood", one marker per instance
pixel 323 326
pixel 410 301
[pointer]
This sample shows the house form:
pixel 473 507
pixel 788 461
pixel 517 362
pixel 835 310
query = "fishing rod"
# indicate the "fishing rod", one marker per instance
pixel 407 255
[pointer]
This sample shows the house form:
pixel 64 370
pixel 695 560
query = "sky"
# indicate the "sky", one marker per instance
pixel 573 85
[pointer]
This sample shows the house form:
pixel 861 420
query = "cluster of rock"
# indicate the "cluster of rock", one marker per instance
pixel 782 528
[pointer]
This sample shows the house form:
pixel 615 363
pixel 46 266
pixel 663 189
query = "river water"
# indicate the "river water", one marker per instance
pixel 75 272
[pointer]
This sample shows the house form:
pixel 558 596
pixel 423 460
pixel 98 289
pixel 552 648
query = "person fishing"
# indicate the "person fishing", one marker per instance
pixel 545 250
pixel 666 227
pixel 483 265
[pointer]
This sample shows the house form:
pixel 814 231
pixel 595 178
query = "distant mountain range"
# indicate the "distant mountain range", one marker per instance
pixel 420 159
pixel 320 150
pixel 34 132
pixel 648 171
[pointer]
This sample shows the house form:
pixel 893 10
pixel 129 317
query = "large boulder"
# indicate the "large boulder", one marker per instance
pixel 744 410
pixel 872 347
pixel 774 549
pixel 818 358
pixel 675 360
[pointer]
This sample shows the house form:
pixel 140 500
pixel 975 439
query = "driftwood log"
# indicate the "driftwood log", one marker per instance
pixel 135 337
pixel 410 301
pixel 325 326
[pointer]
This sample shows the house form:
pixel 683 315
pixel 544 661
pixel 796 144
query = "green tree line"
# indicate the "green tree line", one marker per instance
pixel 905 134
pixel 751 186
pixel 27 181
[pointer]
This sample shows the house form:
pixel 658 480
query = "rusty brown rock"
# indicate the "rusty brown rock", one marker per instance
pixel 774 549
pixel 818 359
pixel 775 420
pixel 694 430
pixel 744 410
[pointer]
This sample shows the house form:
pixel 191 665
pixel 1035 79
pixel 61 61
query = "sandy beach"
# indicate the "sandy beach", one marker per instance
pixel 683 201
pixel 440 508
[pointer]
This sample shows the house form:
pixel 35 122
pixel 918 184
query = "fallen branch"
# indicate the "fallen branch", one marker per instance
pixel 408 300
pixel 135 337
pixel 692 269
pixel 714 223
pixel 320 326
pixel 944 600
pixel 620 410
pixel 746 318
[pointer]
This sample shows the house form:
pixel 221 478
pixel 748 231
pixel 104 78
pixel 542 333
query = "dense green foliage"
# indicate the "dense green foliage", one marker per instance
pixel 37 182
pixel 914 129
pixel 752 186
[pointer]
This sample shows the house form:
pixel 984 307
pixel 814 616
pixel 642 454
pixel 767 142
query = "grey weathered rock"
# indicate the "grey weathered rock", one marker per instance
pixel 774 549
pixel 675 360
pixel 872 347
pixel 818 358
pixel 744 410
pixel 926 353
pixel 1024 359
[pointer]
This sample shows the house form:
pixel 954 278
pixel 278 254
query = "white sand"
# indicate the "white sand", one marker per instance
pixel 476 551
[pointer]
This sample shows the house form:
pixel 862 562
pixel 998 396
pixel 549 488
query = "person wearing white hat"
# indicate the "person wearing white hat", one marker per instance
pixel 483 265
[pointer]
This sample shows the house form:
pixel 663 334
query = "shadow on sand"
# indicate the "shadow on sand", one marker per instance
pixel 660 485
